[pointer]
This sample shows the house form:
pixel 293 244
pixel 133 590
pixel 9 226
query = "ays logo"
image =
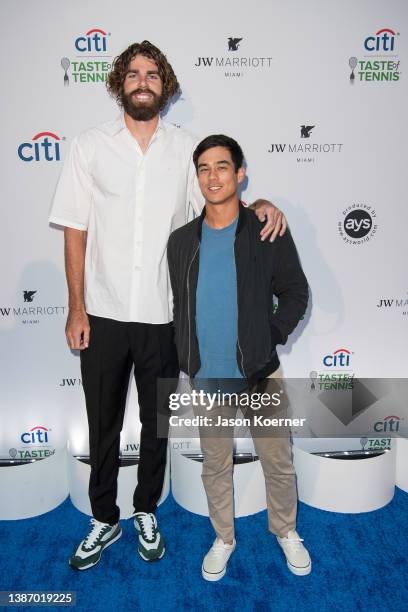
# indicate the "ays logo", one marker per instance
pixel 44 146
pixel 358 224
pixel 92 62
pixel 380 63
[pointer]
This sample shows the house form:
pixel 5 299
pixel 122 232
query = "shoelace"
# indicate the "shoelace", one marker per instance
pixel 147 525
pixel 294 543
pixel 97 530
pixel 217 549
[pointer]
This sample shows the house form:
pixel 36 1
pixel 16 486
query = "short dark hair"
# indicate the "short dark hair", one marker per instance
pixel 219 140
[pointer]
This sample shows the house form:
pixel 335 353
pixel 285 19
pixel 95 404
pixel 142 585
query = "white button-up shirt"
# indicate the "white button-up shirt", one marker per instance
pixel 129 202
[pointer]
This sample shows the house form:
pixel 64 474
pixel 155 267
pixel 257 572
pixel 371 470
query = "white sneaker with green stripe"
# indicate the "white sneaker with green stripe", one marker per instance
pixel 151 543
pixel 89 551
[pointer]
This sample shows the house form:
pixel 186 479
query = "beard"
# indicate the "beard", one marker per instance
pixel 141 111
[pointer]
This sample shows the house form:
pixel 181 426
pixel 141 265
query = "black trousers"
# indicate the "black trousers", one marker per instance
pixel 106 365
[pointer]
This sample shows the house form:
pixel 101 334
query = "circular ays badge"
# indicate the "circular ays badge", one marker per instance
pixel 358 224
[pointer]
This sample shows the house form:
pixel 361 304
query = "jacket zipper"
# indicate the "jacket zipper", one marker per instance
pixel 188 303
pixel 239 346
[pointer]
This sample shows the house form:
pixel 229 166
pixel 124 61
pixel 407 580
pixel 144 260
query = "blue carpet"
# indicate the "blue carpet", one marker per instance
pixel 359 563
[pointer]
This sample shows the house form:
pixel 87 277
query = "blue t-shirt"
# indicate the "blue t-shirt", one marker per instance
pixel 216 304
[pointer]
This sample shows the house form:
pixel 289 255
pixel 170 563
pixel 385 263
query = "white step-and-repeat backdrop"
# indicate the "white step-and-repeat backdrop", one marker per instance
pixel 315 92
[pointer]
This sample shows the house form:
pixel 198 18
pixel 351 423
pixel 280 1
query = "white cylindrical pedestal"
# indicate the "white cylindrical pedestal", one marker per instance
pixel 35 488
pixel 79 473
pixel 188 490
pixel 343 485
pixel 401 471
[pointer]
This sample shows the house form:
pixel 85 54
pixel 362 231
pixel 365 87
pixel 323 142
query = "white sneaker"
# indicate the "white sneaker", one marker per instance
pixel 151 543
pixel 297 557
pixel 215 561
pixel 89 550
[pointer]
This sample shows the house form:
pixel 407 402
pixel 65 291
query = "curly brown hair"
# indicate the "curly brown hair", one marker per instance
pixel 116 76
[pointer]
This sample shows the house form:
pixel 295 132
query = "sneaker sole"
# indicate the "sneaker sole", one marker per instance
pixel 152 560
pixel 300 571
pixel 213 577
pixel 85 567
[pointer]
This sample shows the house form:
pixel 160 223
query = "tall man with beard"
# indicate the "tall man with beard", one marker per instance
pixel 125 186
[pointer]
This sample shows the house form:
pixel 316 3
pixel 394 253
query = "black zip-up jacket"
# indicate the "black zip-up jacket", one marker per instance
pixel 263 269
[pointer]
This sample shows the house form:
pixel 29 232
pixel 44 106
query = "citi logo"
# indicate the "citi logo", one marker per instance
pixel 94 41
pixel 35 435
pixel 340 358
pixel 383 40
pixel 43 146
pixel 389 423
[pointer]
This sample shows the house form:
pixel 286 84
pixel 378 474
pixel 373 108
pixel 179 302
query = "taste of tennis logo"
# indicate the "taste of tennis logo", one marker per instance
pixel 234 63
pixel 379 61
pixel 36 444
pixel 358 224
pixel 91 62
pixel 336 374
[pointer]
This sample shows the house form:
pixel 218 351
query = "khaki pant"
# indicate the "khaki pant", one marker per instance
pixel 276 459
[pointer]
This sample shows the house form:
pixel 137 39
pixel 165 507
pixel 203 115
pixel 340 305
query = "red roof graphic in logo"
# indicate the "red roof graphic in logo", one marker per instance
pixel 43 134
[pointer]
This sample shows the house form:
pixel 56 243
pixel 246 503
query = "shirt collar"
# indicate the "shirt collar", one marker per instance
pixel 117 125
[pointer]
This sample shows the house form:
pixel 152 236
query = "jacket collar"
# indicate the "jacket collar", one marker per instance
pixel 241 220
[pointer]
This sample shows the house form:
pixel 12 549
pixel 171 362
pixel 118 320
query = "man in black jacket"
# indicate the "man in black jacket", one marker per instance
pixel 224 279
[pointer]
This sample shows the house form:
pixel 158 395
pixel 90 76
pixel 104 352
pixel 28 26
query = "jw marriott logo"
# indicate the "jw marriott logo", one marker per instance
pixel 235 62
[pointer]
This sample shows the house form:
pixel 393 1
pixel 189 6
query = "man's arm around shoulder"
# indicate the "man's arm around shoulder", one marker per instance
pixel 289 285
